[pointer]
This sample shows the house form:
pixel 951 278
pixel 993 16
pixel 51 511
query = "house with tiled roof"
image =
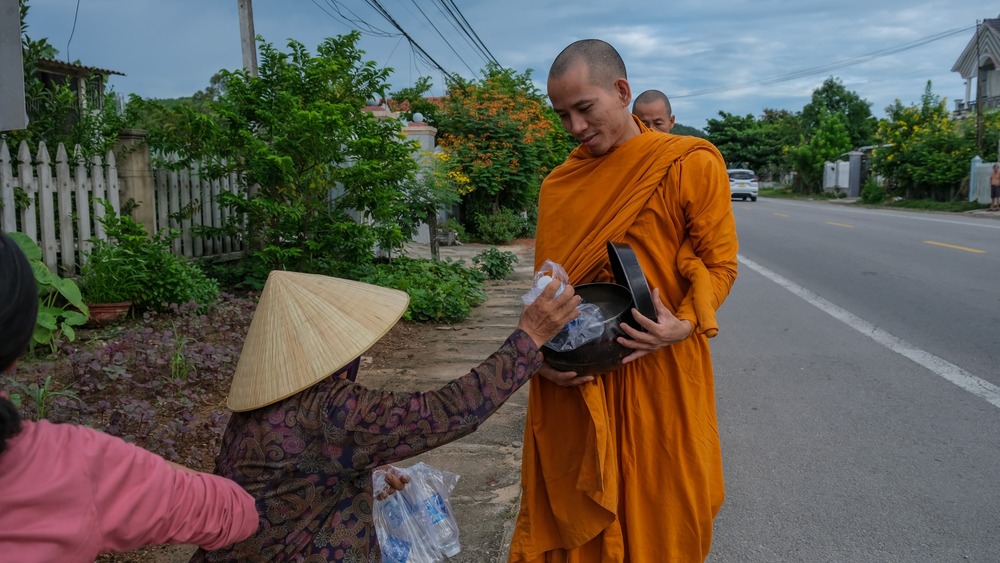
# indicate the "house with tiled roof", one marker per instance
pixel 979 65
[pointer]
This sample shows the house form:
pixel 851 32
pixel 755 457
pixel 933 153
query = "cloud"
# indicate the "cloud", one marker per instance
pixel 171 49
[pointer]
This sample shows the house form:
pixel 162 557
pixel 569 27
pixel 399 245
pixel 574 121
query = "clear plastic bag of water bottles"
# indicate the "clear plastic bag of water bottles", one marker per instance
pixel 416 524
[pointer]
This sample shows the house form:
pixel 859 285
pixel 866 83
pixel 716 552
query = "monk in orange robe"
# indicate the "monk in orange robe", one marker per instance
pixel 627 465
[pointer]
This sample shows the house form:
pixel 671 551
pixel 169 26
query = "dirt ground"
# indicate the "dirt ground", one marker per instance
pixel 400 347
pixel 412 356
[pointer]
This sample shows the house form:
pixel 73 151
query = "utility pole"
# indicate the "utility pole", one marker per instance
pixel 248 38
pixel 979 95
pixel 12 109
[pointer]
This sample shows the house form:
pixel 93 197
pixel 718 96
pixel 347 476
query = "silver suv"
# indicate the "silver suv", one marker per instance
pixel 742 183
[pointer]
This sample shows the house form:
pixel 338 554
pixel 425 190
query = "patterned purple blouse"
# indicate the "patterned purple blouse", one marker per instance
pixel 308 459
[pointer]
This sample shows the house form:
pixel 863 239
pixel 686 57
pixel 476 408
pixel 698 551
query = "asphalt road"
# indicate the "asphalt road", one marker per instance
pixel 857 385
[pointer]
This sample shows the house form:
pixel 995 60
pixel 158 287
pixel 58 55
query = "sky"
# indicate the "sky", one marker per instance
pixel 735 56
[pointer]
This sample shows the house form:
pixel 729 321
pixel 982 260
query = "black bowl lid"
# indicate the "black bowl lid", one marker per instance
pixel 628 272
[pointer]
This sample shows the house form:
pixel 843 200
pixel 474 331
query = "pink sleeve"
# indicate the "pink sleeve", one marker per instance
pixel 142 500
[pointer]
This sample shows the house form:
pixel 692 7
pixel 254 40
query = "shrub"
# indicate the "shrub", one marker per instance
pixel 440 291
pixel 500 227
pixel 495 263
pixel 158 278
pixel 872 193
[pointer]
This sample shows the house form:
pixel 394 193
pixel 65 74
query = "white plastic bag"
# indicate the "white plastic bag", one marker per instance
pixel 416 525
pixel 581 330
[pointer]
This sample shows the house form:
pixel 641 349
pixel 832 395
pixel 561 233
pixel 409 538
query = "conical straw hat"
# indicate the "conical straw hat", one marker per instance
pixel 305 328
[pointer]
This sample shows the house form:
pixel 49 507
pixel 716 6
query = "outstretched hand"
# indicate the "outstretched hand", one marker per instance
pixel 549 313
pixel 664 331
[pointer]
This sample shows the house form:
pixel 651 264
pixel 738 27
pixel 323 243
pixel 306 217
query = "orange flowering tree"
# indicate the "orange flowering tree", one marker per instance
pixel 503 137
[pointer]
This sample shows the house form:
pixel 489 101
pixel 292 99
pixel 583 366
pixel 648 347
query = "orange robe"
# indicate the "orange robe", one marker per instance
pixel 629 466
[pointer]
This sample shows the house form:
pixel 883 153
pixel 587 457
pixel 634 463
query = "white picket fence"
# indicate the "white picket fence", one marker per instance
pixel 185 201
pixel 60 210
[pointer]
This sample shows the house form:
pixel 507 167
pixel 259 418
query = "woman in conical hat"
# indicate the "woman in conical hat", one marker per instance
pixel 304 437
pixel 69 493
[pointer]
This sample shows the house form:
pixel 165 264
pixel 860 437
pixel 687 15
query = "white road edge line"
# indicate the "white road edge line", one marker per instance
pixel 943 368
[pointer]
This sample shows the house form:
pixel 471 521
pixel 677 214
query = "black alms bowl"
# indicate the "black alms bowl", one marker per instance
pixel 604 353
pixel 628 272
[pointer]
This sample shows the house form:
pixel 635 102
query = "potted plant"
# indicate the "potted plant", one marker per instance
pixel 449 232
pixel 111 278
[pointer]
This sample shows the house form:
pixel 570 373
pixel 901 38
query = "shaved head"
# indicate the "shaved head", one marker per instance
pixel 602 60
pixel 652 97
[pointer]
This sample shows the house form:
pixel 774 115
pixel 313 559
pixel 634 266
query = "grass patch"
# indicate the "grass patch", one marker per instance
pixel 778 191
pixel 931 205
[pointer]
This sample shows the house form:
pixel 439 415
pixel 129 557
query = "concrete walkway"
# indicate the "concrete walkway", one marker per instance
pixel 485 501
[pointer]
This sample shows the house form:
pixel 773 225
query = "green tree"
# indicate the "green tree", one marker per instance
pixel 924 153
pixel 779 131
pixel 503 137
pixel 756 143
pixel 324 177
pixel 681 129
pixel 413 99
pixel 836 99
pixel 736 138
pixel 828 140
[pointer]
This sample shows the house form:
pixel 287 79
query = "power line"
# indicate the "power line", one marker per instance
pixel 469 27
pixel 340 12
pixel 72 31
pixel 377 6
pixel 826 68
pixel 353 22
pixel 461 31
pixel 443 38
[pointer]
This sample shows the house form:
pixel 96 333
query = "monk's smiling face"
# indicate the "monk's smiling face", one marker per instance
pixel 596 114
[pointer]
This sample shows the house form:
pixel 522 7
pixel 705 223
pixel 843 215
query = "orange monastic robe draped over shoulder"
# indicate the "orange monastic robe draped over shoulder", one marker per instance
pixel 628 467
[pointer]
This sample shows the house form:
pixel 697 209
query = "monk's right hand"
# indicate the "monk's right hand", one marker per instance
pixel 549 313
pixel 563 378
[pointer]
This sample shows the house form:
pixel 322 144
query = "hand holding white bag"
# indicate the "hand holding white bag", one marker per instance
pixel 416 525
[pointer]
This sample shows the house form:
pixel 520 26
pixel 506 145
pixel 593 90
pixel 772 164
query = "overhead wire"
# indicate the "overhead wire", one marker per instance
pixel 377 6
pixel 461 32
pixel 452 14
pixel 72 31
pixel 828 67
pixel 355 22
pixel 468 26
pixel 441 35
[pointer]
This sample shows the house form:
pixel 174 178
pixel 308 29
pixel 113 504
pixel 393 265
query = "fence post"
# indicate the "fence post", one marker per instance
pixel 135 176
pixel 8 211
pixel 976 161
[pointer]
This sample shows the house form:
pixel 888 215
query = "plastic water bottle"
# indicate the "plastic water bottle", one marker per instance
pixel 544 281
pixel 441 527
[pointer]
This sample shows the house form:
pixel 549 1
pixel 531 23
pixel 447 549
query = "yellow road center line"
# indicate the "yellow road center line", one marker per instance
pixel 776 214
pixel 965 248
pixel 845 225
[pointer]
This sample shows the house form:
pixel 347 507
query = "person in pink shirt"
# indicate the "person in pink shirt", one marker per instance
pixel 69 493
